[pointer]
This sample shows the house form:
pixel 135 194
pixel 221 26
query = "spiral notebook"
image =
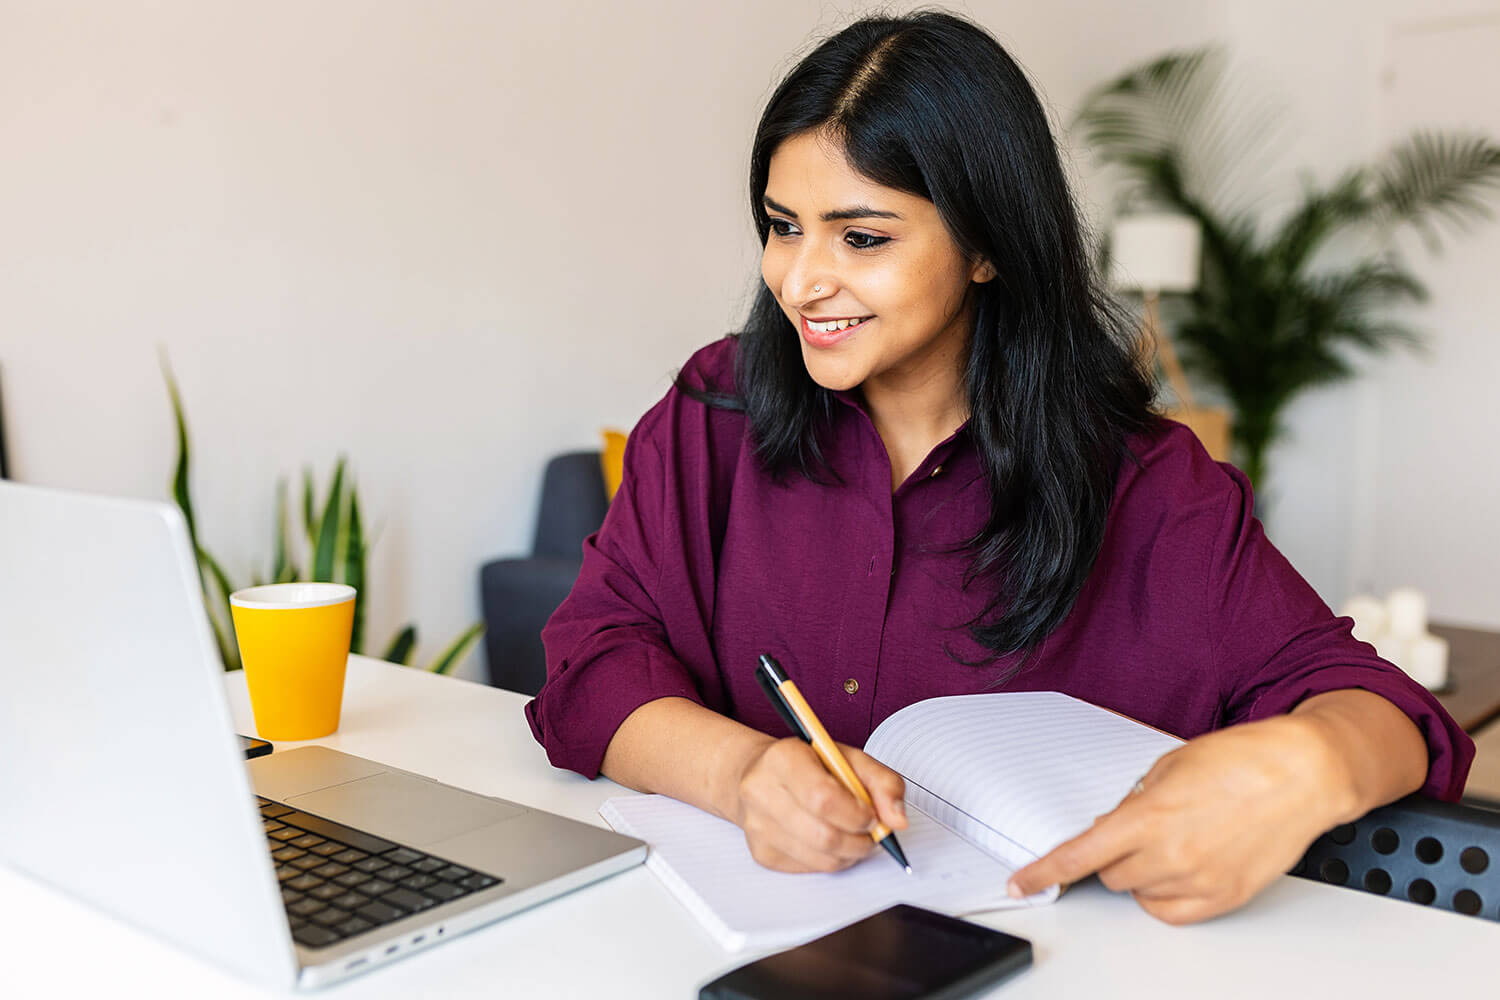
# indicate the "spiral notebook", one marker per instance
pixel 993 782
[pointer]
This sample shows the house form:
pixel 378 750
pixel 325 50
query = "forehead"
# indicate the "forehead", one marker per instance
pixel 809 172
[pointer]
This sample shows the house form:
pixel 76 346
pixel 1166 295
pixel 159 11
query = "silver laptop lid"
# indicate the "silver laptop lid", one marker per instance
pixel 121 780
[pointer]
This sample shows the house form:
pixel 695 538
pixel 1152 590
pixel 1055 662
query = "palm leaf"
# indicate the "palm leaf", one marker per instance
pixel 1183 107
pixel 1320 214
pixel 1432 176
pixel 456 649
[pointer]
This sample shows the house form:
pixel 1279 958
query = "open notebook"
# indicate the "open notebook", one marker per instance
pixel 993 781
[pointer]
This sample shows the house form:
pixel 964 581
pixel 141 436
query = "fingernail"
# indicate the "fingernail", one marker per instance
pixel 900 808
pixel 1014 891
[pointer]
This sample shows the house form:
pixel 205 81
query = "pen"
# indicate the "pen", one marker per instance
pixel 793 708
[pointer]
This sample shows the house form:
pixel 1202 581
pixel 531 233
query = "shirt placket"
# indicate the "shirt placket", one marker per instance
pixel 900 508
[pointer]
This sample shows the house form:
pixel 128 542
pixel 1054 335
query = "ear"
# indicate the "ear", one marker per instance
pixel 982 271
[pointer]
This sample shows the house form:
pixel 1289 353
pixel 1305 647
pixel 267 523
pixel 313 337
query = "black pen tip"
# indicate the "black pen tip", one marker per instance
pixel 894 850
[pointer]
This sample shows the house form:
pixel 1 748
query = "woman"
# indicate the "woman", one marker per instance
pixel 929 466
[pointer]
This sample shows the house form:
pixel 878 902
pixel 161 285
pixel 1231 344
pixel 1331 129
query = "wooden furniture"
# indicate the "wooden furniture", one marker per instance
pixel 1473 693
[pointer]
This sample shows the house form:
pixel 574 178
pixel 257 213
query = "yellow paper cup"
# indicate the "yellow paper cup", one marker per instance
pixel 294 643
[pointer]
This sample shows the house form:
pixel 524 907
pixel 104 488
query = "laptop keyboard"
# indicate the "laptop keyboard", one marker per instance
pixel 337 881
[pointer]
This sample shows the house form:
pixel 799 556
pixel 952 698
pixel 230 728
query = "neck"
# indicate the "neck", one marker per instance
pixel 914 414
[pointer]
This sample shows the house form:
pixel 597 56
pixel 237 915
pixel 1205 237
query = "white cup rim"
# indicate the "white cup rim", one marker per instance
pixel 292 595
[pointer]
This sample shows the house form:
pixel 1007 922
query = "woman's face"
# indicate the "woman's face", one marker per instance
pixel 843 248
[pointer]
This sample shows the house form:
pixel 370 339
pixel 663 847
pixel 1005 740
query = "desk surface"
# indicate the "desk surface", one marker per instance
pixel 626 937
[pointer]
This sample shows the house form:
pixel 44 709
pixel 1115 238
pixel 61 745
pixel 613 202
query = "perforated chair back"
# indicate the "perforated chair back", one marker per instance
pixel 1431 853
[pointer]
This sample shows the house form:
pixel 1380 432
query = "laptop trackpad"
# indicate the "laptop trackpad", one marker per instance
pixel 409 809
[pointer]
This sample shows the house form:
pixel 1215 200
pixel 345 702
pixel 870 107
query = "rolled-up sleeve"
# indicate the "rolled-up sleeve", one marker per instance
pixel 607 649
pixel 1277 643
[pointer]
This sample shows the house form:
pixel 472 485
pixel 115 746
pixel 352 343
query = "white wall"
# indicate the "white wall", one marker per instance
pixel 1427 499
pixel 1384 482
pixel 447 238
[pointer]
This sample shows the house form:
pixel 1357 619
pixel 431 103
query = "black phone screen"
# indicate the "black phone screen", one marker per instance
pixel 903 953
pixel 254 747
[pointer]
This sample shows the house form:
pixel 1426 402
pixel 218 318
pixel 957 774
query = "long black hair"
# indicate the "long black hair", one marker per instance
pixel 931 104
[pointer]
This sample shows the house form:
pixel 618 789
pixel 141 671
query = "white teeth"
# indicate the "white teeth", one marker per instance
pixel 832 325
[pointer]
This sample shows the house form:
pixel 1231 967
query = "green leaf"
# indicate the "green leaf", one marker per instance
pixel 180 489
pixel 399 651
pixel 456 650
pixel 1436 175
pixel 219 613
pixel 309 522
pixel 279 565
pixel 354 570
pixel 329 524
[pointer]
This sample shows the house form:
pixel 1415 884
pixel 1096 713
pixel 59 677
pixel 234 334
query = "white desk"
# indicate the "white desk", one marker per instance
pixel 626 937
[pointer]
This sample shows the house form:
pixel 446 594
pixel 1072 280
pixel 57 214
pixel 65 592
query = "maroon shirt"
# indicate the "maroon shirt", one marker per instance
pixel 1191 619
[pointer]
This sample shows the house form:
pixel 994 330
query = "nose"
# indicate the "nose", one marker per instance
pixel 811 276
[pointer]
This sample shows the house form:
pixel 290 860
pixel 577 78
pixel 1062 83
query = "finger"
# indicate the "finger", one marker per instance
pixel 887 788
pixel 1179 910
pixel 811 838
pixel 1144 873
pixel 779 824
pixel 769 856
pixel 821 846
pixel 821 794
pixel 1116 835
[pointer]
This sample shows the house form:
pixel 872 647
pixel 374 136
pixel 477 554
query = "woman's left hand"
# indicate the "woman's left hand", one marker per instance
pixel 1212 823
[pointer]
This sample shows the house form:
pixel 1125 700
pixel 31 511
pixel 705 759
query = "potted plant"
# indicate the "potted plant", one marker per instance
pixel 337 552
pixel 1265 324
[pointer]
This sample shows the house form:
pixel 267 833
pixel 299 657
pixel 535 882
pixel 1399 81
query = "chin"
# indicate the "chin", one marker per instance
pixel 837 374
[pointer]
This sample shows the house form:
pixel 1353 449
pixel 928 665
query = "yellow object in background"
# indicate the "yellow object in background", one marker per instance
pixel 613 460
pixel 294 643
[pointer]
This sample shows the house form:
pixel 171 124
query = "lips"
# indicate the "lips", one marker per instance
pixel 820 338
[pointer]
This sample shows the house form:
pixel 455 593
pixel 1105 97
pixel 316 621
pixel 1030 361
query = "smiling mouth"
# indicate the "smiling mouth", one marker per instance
pixel 834 325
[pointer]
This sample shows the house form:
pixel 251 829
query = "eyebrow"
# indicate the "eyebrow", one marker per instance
pixel 852 212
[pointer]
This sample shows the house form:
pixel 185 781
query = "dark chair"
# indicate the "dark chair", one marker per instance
pixel 519 595
pixel 1432 853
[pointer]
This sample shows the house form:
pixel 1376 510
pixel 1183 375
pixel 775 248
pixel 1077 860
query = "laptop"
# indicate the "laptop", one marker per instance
pixel 123 782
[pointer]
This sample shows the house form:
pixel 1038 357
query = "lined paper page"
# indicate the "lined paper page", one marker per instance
pixel 704 861
pixel 1035 766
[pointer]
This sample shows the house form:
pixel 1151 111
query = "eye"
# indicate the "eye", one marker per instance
pixel 774 223
pixel 870 241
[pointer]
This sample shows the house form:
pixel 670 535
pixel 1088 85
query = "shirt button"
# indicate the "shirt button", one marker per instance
pixel 851 685
pixel 935 471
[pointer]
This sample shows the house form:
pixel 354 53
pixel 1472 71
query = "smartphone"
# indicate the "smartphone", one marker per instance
pixel 254 747
pixel 903 953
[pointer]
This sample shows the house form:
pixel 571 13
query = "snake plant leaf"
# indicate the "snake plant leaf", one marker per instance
pixel 399 651
pixel 279 565
pixel 329 524
pixel 309 523
pixel 354 571
pixel 180 490
pixel 456 649
pixel 219 614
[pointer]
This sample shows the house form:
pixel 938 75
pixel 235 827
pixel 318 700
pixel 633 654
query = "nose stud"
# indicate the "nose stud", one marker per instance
pixel 817 288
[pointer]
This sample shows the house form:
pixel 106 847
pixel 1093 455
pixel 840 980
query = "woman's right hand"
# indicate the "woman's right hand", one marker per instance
pixel 797 817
